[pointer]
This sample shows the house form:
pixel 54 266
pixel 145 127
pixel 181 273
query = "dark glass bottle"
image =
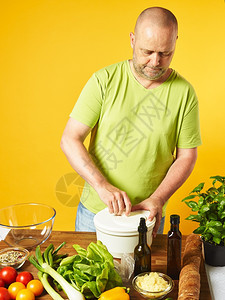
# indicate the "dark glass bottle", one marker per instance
pixel 142 252
pixel 174 238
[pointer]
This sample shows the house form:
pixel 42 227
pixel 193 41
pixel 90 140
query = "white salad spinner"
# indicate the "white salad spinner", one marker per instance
pixel 120 233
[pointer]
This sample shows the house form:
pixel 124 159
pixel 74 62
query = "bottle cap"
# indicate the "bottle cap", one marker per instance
pixel 142 226
pixel 175 219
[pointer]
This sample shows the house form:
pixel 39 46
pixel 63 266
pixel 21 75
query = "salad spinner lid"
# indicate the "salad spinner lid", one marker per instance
pixel 123 223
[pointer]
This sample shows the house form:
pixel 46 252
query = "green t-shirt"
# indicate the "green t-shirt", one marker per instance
pixel 135 130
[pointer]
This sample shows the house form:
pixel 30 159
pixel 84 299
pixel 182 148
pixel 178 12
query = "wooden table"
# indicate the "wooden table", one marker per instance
pixel 83 239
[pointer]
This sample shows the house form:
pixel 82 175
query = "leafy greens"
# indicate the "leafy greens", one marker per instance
pixel 210 208
pixel 90 271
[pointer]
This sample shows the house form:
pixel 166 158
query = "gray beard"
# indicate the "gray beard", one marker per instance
pixel 142 74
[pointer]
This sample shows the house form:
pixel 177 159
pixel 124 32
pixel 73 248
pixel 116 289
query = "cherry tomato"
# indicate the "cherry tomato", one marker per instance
pixel 24 277
pixel 4 294
pixel 8 274
pixel 2 283
pixel 25 294
pixel 14 289
pixel 35 286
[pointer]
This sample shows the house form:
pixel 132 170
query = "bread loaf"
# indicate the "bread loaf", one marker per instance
pixel 189 280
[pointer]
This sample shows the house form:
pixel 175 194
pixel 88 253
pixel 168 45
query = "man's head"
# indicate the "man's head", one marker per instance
pixel 153 42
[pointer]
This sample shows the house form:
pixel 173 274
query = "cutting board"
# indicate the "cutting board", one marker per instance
pixel 159 259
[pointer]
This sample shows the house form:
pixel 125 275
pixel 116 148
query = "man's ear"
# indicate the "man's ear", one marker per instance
pixel 132 39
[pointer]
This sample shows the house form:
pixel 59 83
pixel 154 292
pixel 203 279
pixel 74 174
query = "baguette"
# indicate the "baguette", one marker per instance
pixel 189 280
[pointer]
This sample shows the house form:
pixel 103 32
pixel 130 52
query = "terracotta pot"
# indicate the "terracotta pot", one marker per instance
pixel 214 254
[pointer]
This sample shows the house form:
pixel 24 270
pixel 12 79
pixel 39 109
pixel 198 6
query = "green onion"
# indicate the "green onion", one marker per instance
pixel 44 263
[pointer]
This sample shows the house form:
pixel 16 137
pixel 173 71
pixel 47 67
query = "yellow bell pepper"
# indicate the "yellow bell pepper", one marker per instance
pixel 117 293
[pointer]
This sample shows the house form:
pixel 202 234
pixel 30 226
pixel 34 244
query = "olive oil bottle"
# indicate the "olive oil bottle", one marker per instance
pixel 174 238
pixel 142 252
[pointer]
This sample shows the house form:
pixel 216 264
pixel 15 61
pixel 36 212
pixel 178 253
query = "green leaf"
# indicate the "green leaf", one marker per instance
pixel 217 178
pixel 214 232
pixel 210 198
pixel 219 197
pixel 215 223
pixel 98 252
pixel 198 188
pixel 80 250
pixel 79 277
pixel 204 208
pixel 188 197
pixel 207 236
pixel 102 279
pixel 192 204
pixel 222 202
pixel 212 189
pixel 196 218
pixel 89 289
pixel 222 189
pixel 195 208
pixel 91 271
pixel 216 240
pixel 222 215
pixel 114 279
pixel 212 216
pixel 58 248
pixel 200 201
pixel 199 230
pixel 68 260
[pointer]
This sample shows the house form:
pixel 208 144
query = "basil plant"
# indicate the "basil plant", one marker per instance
pixel 210 209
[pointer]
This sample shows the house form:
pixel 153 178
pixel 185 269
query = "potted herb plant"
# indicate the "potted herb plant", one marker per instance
pixel 209 207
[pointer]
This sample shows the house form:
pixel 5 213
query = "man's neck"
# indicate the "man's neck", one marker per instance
pixel 149 84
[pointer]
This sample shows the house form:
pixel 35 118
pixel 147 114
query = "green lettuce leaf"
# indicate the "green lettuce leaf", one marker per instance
pixel 91 271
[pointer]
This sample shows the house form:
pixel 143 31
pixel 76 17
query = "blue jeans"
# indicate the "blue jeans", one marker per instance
pixel 85 220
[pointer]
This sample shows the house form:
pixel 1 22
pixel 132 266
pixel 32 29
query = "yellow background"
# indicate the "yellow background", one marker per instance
pixel 49 49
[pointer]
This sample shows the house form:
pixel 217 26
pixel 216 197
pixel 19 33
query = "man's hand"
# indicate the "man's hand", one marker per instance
pixel 116 200
pixel 72 144
pixel 154 205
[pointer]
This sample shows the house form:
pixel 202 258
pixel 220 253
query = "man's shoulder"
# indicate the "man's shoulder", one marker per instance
pixel 181 81
pixel 119 67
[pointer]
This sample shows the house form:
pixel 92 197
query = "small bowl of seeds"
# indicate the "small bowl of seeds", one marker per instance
pixel 14 257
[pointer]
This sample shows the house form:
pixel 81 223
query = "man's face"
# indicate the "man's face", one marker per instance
pixel 153 49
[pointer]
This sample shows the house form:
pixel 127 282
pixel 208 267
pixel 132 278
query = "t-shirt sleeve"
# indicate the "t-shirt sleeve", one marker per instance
pixel 190 136
pixel 88 106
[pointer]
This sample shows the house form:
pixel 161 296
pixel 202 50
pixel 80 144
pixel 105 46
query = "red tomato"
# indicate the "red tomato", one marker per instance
pixel 25 294
pixel 24 277
pixel 8 274
pixel 4 294
pixel 14 289
pixel 2 283
pixel 36 287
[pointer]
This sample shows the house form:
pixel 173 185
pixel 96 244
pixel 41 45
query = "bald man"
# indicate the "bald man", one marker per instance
pixel 144 123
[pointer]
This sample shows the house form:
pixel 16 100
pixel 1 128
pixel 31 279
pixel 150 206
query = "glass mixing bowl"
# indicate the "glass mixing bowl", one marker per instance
pixel 27 224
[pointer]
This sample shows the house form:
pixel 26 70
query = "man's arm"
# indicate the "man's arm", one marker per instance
pixel 177 174
pixel 72 144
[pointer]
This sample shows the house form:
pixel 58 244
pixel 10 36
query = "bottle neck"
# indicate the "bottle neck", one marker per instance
pixel 174 227
pixel 142 238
